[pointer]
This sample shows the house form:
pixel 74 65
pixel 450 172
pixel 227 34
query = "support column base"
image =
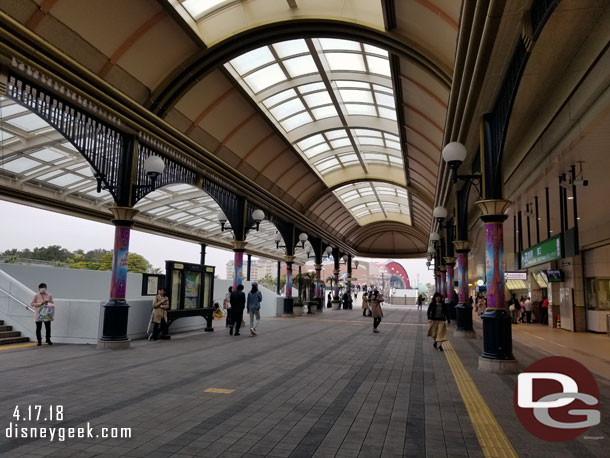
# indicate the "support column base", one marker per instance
pixel 465 334
pixel 113 344
pixel 498 366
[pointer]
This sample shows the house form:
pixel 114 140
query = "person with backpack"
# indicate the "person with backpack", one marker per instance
pixel 238 303
pixel 255 298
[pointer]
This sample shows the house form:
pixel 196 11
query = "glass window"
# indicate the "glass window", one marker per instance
pixel 19 165
pixel 370 49
pixel 28 122
pixel 352 84
pixel 288 108
pixel 198 8
pixel 310 141
pixel 379 66
pixel 252 59
pixel 296 121
pixel 359 109
pixel 387 113
pixel 336 44
pixel 9 110
pixel 312 87
pixel 65 180
pixel 277 98
pixel 350 95
pixel 317 98
pixel 290 48
pixel 5 135
pixel 341 142
pixel 345 62
pixel 334 134
pixel 324 112
pixel 299 66
pixel 319 149
pixel 265 77
pixel 48 155
pixel 385 99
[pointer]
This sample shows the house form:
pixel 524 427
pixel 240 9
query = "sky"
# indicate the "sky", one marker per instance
pixel 27 227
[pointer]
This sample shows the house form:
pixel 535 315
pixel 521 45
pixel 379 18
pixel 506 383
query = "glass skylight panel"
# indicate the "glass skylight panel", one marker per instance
pixel 252 59
pixel 387 113
pixel 391 137
pixel 337 44
pixel 179 188
pixel 86 171
pixel 370 49
pixel 385 191
pixel 9 110
pixel 351 95
pixel 356 208
pixel 375 157
pixel 265 77
pixel 348 159
pixel 5 135
pixel 395 160
pixel 327 164
pixel 49 175
pixel 379 65
pixel 319 149
pixel 302 65
pixel 19 165
pixel 28 122
pixel 310 141
pixel 311 87
pixel 290 48
pixel 393 144
pixel 324 112
pixel 341 142
pixel 368 133
pixel 287 108
pixel 334 134
pixel 277 98
pixel 296 121
pixel 345 62
pixel 47 155
pixel 198 8
pixel 317 99
pixel 177 216
pixel 357 109
pixel 385 99
pixel 65 180
pixel 352 84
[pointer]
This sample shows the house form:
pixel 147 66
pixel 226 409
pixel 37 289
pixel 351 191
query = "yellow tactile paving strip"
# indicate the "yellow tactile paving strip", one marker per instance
pixel 15 346
pixel 493 441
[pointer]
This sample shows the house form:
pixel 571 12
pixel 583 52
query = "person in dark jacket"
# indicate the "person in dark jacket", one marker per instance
pixel 437 316
pixel 238 303
pixel 254 307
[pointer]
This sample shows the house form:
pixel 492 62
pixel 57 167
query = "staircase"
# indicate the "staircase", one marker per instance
pixel 8 336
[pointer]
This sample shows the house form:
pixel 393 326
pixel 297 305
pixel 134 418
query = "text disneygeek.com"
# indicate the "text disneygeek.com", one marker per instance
pixel 61 433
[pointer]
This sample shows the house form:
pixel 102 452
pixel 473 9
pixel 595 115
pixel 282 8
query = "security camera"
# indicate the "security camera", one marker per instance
pixel 581 183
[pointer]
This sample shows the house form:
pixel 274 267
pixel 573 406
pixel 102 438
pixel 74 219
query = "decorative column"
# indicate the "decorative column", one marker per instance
pixel 248 267
pixel 437 282
pixel 349 278
pixel 449 291
pixel 238 262
pixel 497 353
pixel 278 288
pixel 336 273
pixel 319 294
pixel 288 301
pixel 443 280
pixel 116 310
pixel 463 310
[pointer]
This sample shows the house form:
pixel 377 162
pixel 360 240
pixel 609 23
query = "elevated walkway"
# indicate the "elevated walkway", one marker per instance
pixel 310 386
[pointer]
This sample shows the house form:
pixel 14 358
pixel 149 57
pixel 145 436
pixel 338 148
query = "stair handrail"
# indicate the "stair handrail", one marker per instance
pixel 29 307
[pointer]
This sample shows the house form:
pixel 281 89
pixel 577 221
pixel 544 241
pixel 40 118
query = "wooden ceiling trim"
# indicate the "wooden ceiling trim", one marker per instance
pixel 40 13
pixel 209 109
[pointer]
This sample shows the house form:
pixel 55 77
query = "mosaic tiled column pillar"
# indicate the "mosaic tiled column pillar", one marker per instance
pixel 443 281
pixel 288 300
pixel 464 309
pixel 497 332
pixel 318 290
pixel 449 291
pixel 336 291
pixel 116 311
pixel 238 262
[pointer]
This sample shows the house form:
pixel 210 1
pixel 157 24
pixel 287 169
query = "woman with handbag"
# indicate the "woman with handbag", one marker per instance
pixel 437 316
pixel 44 310
pixel 160 306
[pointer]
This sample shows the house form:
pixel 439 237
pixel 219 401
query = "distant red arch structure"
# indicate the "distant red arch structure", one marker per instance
pixel 395 268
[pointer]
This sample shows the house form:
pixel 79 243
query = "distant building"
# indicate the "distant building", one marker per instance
pixel 259 268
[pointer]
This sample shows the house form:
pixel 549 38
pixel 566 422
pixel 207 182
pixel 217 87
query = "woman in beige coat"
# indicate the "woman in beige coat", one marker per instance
pixel 375 300
pixel 160 306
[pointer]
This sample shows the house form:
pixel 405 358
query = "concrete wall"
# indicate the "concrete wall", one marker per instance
pixel 71 283
pixel 79 298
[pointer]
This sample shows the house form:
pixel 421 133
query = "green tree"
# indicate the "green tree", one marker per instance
pixel 136 263
pixel 270 282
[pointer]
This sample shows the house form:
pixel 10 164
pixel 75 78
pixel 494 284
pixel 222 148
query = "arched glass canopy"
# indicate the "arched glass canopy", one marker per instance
pixel 334 101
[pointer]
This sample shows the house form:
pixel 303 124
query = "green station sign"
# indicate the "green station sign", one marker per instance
pixel 546 251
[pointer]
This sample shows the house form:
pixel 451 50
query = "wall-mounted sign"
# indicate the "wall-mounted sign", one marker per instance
pixel 515 276
pixel 546 251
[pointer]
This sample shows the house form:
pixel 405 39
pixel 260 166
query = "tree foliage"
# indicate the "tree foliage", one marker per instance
pixel 97 259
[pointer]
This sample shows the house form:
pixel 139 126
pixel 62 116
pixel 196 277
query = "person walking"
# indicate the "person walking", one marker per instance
pixel 437 316
pixel 375 300
pixel 44 312
pixel 513 308
pixel 226 304
pixel 160 306
pixel 545 311
pixel 420 302
pixel 329 300
pixel 238 303
pixel 527 306
pixel 365 303
pixel 255 297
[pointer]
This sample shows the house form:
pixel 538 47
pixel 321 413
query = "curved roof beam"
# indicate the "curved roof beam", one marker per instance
pixel 198 66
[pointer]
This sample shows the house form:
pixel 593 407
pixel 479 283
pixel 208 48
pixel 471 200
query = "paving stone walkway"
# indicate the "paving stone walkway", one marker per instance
pixel 322 386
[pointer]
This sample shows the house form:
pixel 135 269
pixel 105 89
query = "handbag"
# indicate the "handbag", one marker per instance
pixel 511 307
pixel 218 314
pixel 46 313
